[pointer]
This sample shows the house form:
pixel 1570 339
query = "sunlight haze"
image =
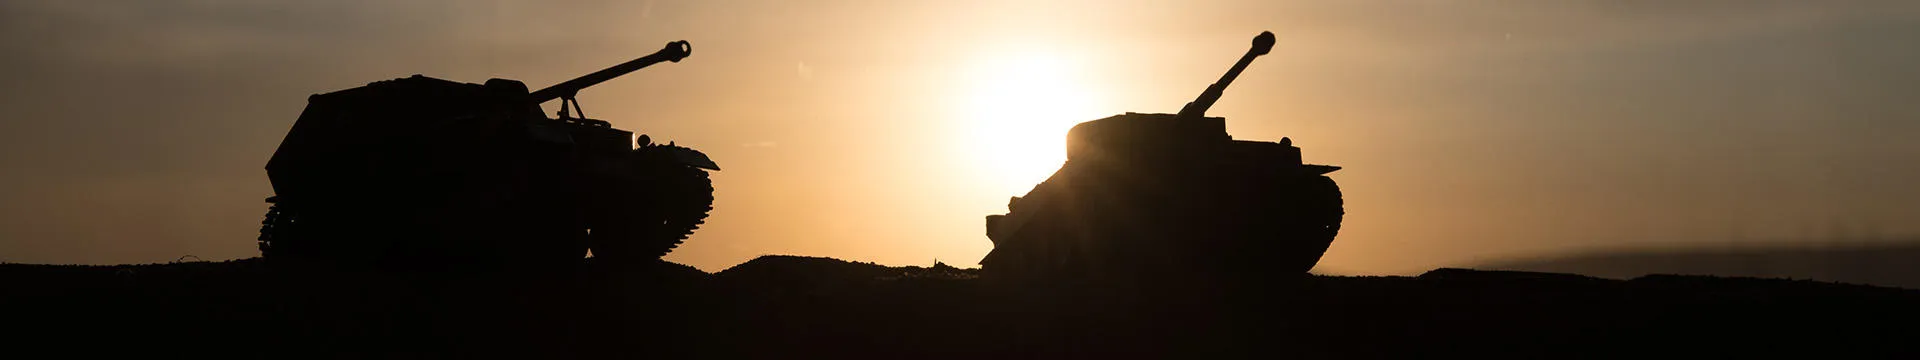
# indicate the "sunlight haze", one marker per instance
pixel 883 131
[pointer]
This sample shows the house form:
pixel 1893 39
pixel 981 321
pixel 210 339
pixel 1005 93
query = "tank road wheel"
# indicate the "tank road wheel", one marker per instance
pixel 655 211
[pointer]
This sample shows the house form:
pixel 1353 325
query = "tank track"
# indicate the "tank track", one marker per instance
pixel 663 202
pixel 274 227
pixel 269 226
pixel 1291 228
pixel 688 201
pixel 658 211
pixel 1313 222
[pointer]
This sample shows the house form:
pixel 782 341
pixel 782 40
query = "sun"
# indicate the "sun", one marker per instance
pixel 1019 108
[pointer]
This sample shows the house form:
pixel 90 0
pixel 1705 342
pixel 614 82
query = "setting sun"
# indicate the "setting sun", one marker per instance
pixel 420 179
pixel 1019 110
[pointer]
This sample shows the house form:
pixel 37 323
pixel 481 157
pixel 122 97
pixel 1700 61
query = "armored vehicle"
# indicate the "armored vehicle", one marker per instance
pixel 1150 195
pixel 427 173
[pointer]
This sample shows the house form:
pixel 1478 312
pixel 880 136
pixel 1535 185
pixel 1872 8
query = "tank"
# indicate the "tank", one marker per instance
pixel 1151 195
pixel 430 174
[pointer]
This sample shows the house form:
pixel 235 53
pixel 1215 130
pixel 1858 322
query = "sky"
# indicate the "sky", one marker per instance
pixel 883 131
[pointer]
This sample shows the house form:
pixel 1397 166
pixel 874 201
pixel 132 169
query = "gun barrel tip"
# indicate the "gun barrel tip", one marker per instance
pixel 1263 43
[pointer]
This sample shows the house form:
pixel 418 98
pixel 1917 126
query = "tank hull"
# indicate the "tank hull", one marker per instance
pixel 423 173
pixel 1143 195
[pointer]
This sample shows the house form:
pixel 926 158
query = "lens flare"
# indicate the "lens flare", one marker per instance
pixel 1019 110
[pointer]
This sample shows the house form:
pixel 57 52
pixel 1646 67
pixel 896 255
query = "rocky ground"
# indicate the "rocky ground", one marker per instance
pixel 786 307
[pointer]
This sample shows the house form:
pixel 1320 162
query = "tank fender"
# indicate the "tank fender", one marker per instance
pixel 1320 169
pixel 693 158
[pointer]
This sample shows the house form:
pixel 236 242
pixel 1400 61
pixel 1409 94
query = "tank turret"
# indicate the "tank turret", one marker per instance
pixel 1144 195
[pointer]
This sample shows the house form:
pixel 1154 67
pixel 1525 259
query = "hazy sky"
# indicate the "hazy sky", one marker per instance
pixel 883 131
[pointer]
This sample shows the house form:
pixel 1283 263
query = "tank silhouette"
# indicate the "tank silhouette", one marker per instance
pixel 427 173
pixel 1147 195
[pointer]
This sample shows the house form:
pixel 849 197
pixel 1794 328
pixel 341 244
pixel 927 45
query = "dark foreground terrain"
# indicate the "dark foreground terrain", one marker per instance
pixel 787 307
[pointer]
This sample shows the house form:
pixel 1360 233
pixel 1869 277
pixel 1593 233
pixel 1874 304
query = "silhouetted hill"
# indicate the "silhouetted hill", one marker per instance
pixel 1891 264
pixel 786 271
pixel 809 307
pixel 807 271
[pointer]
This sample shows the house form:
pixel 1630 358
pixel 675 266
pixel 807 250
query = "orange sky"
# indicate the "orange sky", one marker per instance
pixel 884 130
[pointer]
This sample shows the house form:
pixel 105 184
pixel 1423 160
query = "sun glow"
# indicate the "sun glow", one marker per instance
pixel 1019 109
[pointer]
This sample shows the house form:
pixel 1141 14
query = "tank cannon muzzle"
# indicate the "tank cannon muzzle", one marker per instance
pixel 1262 44
pixel 681 49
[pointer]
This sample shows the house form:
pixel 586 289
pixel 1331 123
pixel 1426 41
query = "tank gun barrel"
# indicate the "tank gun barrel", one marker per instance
pixel 673 52
pixel 1198 108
